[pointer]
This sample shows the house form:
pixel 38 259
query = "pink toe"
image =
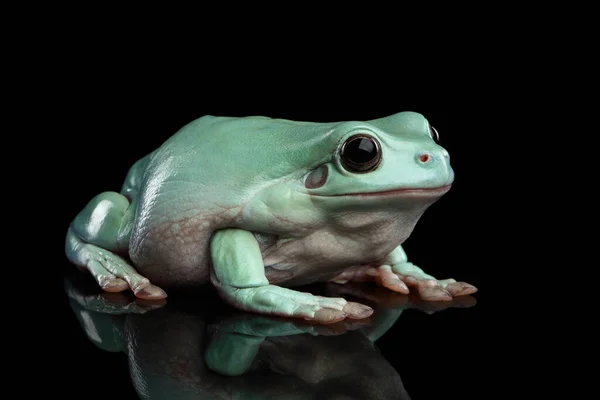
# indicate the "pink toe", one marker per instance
pixel 115 285
pixel 435 293
pixel 461 289
pixel 329 316
pixel 357 310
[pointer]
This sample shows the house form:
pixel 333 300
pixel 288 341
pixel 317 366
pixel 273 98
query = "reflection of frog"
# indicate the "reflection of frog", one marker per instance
pixel 254 204
pixel 179 353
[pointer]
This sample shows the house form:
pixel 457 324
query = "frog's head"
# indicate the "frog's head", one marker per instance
pixel 394 160
pixel 384 169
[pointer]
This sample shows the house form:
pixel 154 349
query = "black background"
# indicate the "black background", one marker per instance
pixel 109 126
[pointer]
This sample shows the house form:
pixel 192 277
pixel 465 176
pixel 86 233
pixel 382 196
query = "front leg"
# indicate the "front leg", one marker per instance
pixel 397 274
pixel 238 273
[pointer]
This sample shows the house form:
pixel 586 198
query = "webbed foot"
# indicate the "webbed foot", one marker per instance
pixel 399 277
pixel 275 300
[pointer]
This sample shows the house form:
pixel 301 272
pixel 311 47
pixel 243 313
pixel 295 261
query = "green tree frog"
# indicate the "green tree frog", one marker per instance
pixel 257 206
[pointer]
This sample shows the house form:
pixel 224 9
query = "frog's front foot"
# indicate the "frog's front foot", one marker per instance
pixel 275 300
pixel 399 277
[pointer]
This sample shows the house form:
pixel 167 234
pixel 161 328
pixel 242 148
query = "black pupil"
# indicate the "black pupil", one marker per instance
pixel 360 151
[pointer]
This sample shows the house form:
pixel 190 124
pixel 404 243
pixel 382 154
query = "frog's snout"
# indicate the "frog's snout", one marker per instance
pixel 437 162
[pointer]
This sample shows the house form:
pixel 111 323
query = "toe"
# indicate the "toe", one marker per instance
pixel 434 293
pixel 329 316
pixel 150 292
pixel 394 283
pixel 410 280
pixel 357 310
pixel 114 285
pixel 388 279
pixel 460 289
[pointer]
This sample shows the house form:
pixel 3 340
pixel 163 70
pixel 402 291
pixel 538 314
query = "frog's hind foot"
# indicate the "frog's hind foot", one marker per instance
pixel 400 277
pixel 99 231
pixel 112 272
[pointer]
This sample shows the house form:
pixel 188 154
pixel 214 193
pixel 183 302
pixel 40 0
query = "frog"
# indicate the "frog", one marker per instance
pixel 258 206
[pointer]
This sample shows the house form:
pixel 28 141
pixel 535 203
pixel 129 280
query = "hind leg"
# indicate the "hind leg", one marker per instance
pixel 97 235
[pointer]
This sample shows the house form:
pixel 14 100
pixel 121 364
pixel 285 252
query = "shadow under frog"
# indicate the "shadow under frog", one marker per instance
pixel 184 352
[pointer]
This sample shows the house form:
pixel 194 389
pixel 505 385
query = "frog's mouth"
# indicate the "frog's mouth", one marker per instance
pixel 405 192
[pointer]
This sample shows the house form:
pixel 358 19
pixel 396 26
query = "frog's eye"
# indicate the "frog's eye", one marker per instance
pixel 360 153
pixel 434 134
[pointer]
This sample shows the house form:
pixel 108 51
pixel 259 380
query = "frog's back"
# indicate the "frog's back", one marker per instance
pixel 216 163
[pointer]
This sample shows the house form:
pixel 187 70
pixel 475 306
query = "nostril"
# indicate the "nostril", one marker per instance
pixel 424 158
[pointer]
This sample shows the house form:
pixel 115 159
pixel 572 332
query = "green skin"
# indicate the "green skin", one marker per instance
pixel 254 205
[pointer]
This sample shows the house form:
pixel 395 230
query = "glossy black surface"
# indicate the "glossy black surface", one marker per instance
pixel 190 346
